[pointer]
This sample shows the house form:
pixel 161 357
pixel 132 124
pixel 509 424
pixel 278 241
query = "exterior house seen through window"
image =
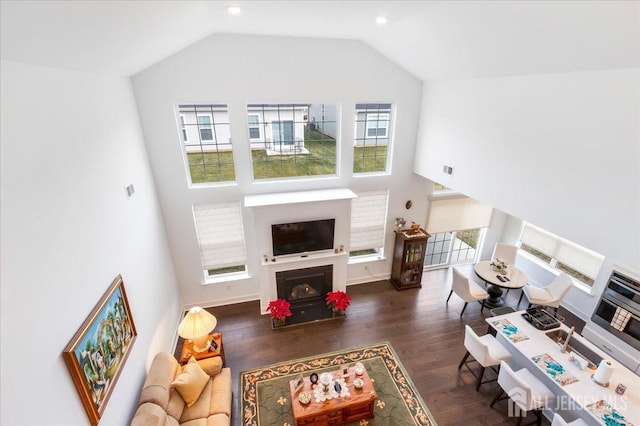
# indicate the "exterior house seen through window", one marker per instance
pixel 292 140
pixel 254 126
pixel 206 140
pixel 372 141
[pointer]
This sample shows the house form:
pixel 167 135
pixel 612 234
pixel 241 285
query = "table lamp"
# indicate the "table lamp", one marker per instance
pixel 196 326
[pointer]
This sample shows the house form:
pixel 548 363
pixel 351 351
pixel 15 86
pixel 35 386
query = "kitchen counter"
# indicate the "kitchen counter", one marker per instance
pixel 577 391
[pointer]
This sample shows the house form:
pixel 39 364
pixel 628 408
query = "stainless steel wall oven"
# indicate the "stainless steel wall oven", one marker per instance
pixel 618 310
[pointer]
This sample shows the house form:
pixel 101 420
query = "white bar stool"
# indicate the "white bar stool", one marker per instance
pixel 559 421
pixel 524 389
pixel 485 350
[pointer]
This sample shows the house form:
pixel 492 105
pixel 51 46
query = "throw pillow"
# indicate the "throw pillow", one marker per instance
pixel 191 382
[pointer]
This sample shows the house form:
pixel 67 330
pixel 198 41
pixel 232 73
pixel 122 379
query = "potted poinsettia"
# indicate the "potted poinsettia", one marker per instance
pixel 338 301
pixel 280 310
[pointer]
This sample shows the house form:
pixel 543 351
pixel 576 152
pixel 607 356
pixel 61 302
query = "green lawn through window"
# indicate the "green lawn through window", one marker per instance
pixel 321 160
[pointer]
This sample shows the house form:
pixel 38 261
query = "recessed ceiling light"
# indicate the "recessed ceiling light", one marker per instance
pixel 234 10
pixel 382 20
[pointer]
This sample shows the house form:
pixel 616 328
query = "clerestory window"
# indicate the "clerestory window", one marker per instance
pixel 292 140
pixel 372 141
pixel 206 141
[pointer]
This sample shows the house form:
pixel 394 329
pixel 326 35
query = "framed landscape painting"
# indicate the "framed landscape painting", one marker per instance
pixel 96 354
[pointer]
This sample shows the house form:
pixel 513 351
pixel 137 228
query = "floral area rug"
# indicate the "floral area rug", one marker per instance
pixel 265 399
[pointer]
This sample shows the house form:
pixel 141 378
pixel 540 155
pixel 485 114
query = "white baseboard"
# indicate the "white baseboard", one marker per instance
pixel 368 279
pixel 223 302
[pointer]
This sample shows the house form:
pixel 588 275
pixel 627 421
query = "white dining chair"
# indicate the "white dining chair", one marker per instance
pixel 550 295
pixel 506 252
pixel 559 421
pixel 524 389
pixel 486 351
pixel 466 289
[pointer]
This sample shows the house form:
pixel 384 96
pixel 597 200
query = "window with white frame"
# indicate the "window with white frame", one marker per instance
pixel 205 128
pixel 377 125
pixel 438 187
pixel 221 238
pixel 254 126
pixel 185 137
pixel 456 225
pixel 564 255
pixel 372 139
pixel 368 220
pixel 206 139
pixel 293 140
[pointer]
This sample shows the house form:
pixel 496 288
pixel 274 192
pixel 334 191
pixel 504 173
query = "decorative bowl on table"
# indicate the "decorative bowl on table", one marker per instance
pixel 499 265
pixel 304 398
pixel 358 383
pixel 359 369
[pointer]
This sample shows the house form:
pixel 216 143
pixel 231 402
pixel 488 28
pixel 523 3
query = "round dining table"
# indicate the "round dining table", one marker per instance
pixel 514 278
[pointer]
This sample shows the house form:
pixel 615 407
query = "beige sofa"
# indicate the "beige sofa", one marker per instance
pixel 162 401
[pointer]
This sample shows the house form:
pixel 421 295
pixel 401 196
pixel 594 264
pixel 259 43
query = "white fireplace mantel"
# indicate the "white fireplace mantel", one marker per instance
pixel 280 198
pixel 301 259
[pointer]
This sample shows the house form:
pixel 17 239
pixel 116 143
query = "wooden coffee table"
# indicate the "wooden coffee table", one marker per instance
pixel 335 411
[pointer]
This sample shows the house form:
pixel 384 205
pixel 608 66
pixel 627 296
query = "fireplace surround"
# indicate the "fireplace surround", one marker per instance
pixel 306 290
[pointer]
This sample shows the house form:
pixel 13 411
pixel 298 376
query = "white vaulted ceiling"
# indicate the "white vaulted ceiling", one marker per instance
pixel 431 39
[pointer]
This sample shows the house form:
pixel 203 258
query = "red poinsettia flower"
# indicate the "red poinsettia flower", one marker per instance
pixel 279 309
pixel 338 300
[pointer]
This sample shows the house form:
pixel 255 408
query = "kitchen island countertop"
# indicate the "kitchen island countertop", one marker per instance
pixel 577 394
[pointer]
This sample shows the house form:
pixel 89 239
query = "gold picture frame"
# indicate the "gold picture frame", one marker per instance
pixel 96 354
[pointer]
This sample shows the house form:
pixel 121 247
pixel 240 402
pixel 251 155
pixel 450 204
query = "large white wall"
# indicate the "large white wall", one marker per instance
pixel 71 142
pixel 561 151
pixel 237 70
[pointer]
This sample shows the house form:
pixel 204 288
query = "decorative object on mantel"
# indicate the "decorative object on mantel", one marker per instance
pixel 338 302
pixel 400 222
pixel 280 310
pixel 499 265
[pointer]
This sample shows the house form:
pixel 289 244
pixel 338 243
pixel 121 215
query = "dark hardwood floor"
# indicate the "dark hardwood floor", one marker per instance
pixel 426 334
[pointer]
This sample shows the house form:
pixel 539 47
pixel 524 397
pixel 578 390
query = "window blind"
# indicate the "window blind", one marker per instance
pixel 564 251
pixel 220 234
pixel 457 214
pixel 368 219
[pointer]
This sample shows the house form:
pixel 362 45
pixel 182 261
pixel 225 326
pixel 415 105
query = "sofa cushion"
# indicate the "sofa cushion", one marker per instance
pixel 221 393
pixel 176 405
pixel 149 414
pixel 191 382
pixel 218 420
pixel 211 366
pixel 196 422
pixel 157 385
pixel 200 408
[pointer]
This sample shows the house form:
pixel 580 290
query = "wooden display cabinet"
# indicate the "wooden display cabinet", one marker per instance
pixel 408 258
